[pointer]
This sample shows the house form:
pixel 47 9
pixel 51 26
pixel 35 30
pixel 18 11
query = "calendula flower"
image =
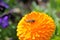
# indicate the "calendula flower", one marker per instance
pixel 35 26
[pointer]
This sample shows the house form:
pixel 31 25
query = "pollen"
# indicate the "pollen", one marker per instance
pixel 35 26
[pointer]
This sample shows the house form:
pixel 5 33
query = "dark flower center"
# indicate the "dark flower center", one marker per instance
pixel 2 8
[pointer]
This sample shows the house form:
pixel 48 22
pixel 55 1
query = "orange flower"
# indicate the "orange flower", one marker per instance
pixel 35 26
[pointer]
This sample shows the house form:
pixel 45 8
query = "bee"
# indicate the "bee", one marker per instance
pixel 30 21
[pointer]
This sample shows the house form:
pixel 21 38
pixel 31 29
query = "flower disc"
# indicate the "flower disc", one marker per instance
pixel 35 26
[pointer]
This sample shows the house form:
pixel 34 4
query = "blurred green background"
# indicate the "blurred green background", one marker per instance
pixel 18 8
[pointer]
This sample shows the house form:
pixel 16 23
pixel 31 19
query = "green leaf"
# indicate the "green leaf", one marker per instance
pixel 37 8
pixel 53 4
